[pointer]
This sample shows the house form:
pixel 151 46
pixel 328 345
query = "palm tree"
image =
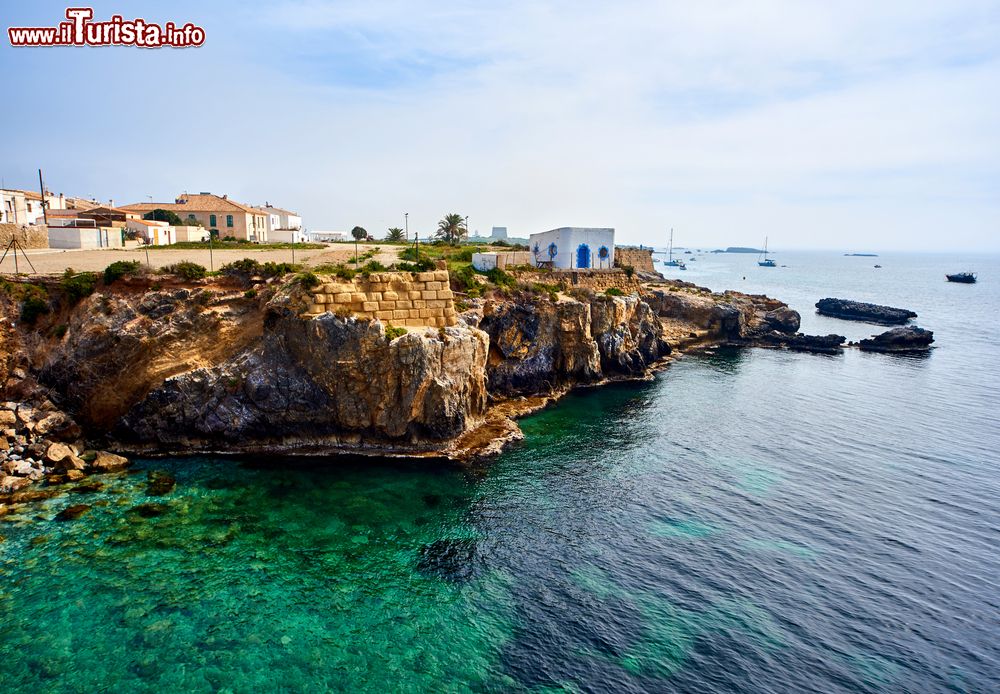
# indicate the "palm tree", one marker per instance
pixel 395 234
pixel 452 228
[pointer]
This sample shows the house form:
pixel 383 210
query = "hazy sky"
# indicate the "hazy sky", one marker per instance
pixel 848 125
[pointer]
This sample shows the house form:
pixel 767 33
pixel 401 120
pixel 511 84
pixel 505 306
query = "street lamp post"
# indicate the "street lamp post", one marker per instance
pixel 406 223
pixel 466 226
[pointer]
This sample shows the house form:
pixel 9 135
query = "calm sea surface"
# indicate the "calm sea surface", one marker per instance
pixel 750 521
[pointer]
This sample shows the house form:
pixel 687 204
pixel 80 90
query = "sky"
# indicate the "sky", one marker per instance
pixel 855 126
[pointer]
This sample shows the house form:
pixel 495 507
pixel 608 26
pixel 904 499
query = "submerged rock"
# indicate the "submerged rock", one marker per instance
pixel 456 561
pixel 861 311
pixel 160 483
pixel 150 510
pixel 108 462
pixel 822 344
pixel 904 339
pixel 72 512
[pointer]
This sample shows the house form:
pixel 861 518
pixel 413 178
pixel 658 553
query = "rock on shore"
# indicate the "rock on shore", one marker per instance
pixel 903 339
pixel 861 311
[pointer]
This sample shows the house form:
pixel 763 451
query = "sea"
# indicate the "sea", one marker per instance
pixel 751 520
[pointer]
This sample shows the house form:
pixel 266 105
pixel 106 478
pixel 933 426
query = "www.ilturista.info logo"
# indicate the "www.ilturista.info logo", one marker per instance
pixel 80 31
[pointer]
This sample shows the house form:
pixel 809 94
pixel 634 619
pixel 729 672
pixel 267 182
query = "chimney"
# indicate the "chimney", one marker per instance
pixel 111 202
pixel 225 197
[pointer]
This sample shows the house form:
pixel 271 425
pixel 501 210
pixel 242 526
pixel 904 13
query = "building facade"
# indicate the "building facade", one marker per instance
pixel 216 213
pixel 574 248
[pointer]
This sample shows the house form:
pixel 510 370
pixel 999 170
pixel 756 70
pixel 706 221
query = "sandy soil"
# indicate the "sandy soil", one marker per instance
pixel 53 261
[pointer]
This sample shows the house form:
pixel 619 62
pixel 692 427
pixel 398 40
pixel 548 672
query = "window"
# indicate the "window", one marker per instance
pixel 211 220
pixel 191 217
pixel 229 220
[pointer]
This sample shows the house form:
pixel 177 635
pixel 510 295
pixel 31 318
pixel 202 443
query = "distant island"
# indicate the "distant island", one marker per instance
pixel 739 249
pixel 862 255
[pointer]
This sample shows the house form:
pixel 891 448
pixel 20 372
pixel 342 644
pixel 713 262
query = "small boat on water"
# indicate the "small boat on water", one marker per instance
pixel 763 260
pixel 670 262
pixel 878 267
pixel 962 277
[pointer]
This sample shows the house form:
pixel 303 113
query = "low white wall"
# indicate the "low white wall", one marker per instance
pixel 484 261
pixel 191 233
pixel 70 237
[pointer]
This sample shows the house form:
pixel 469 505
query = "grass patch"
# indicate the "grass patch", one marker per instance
pixel 392 332
pixel 613 291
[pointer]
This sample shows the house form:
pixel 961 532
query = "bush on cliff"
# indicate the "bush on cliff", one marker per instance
pixel 422 265
pixel 392 332
pixel 78 285
pixel 121 268
pixel 500 278
pixel 33 306
pixel 187 270
pixel 613 291
pixel 464 280
pixel 248 267
pixel 308 280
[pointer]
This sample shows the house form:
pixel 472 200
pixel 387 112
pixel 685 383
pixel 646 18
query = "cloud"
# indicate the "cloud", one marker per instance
pixel 842 124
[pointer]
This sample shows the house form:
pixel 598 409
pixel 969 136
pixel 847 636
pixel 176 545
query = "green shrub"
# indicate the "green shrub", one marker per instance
pixel 629 270
pixel 373 266
pixel 583 294
pixel 33 306
pixel 59 331
pixel 308 280
pixel 250 294
pixel 392 332
pixel 500 278
pixel 78 285
pixel 121 268
pixel 422 265
pixel 613 291
pixel 464 255
pixel 187 270
pixel 552 290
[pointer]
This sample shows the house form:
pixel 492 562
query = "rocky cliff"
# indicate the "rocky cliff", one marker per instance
pixel 539 346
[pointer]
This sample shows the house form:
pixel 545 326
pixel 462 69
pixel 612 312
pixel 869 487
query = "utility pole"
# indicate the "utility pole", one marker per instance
pixel 45 204
pixel 466 228
pixel 406 223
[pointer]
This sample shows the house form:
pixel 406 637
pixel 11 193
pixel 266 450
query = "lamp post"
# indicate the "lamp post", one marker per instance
pixel 406 224
pixel 466 227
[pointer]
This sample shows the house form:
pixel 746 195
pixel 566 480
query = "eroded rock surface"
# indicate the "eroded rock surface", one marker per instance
pixel 908 338
pixel 861 311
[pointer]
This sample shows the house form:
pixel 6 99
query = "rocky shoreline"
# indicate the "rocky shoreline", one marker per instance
pixel 157 366
pixel 846 309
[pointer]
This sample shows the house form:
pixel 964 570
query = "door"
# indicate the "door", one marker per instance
pixel 583 256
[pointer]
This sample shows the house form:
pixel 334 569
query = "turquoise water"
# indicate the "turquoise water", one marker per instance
pixel 752 520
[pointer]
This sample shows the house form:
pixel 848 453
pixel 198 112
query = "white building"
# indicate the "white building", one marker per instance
pixel 328 236
pixel 153 233
pixel 20 207
pixel 85 237
pixel 574 248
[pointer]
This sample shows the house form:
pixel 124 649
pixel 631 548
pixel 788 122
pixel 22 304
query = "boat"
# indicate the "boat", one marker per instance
pixel 962 277
pixel 670 262
pixel 878 267
pixel 763 260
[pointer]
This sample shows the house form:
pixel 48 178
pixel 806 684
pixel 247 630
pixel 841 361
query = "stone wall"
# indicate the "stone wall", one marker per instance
pixel 27 236
pixel 639 258
pixel 400 298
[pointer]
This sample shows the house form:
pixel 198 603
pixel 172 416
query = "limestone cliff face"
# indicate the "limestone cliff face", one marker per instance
pixel 538 346
pixel 327 382
pixel 206 367
pixel 730 316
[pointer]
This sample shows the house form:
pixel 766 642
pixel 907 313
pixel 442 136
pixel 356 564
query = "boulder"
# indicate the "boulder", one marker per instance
pixel 10 484
pixel 57 452
pixel 58 425
pixel 7 418
pixel 783 320
pixel 70 462
pixel 904 339
pixel 108 462
pixel 861 311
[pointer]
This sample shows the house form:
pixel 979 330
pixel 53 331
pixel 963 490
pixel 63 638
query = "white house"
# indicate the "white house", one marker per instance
pixel 574 248
pixel 153 232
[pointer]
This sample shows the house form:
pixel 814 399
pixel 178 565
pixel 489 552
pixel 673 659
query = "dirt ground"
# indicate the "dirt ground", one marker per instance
pixel 55 261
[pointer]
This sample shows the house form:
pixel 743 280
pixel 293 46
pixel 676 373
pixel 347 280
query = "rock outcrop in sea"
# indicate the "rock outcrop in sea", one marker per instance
pixel 908 338
pixel 861 311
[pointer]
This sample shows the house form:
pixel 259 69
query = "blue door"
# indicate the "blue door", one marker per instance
pixel 583 256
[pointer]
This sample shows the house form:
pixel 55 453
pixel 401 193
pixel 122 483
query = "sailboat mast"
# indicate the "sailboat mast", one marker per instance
pixel 670 248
